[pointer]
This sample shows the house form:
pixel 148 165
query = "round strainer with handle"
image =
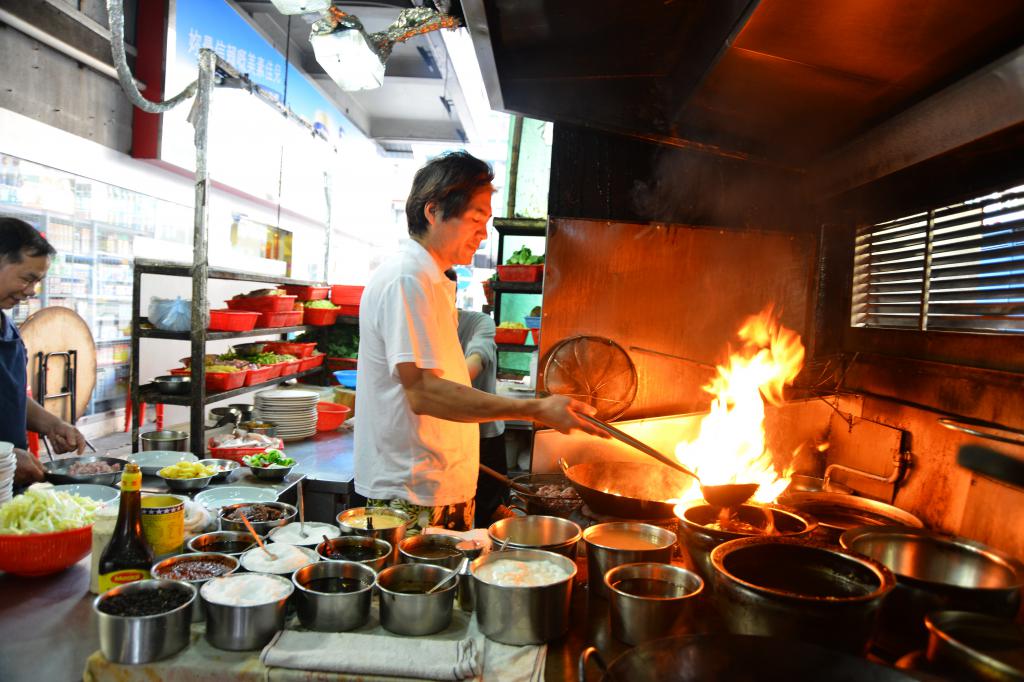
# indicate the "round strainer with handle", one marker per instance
pixel 594 370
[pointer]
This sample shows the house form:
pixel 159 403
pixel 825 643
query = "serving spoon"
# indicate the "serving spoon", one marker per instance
pixel 256 537
pixel 727 495
pixel 453 571
pixel 302 511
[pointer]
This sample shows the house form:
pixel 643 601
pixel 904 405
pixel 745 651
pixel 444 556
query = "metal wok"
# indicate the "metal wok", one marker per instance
pixel 57 470
pixel 737 658
pixel 630 490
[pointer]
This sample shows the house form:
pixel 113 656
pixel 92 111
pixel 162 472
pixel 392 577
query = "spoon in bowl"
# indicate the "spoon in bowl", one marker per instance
pixel 453 572
pixel 256 537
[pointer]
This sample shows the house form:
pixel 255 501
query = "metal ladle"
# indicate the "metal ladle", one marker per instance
pixel 453 572
pixel 727 495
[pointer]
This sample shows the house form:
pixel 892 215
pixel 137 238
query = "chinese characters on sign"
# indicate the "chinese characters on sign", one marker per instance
pixel 259 67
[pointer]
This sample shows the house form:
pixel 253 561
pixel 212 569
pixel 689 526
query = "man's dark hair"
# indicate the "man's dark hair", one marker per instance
pixel 449 181
pixel 19 239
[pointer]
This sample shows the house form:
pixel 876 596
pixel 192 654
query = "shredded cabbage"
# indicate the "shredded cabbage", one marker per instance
pixel 45 511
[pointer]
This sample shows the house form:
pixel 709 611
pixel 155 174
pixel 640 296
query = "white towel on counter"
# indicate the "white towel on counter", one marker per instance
pixel 458 653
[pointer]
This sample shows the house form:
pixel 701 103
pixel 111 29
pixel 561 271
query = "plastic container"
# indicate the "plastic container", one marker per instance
pixel 289 368
pixel 307 293
pixel 336 364
pixel 236 454
pixel 320 317
pixel 512 336
pixel 346 377
pixel 263 304
pixel 232 320
pixel 348 311
pixel 44 553
pixel 330 416
pixel 225 381
pixel 532 321
pixel 520 273
pixel 311 362
pixel 344 294
pixel 536 336
pixel 299 350
pixel 287 318
pixel 265 373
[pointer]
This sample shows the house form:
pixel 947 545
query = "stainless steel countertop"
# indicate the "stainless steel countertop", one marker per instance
pixel 47 626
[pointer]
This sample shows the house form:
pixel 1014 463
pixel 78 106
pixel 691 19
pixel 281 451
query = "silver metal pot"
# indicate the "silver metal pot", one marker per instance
pixel 142 639
pixel 431 548
pixel 975 646
pixel 523 615
pixel 788 587
pixel 700 540
pixel 935 572
pixel 198 610
pixel 353 522
pixel 650 600
pixel 548 533
pixel 244 628
pixel 837 513
pixel 261 527
pixel 333 611
pixel 405 608
pixel 377 551
pixel 57 471
pixel 623 542
pixel 176 441
pixel 230 542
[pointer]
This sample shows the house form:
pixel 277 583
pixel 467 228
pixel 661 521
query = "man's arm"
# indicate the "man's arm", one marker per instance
pixel 430 394
pixel 64 436
pixel 475 363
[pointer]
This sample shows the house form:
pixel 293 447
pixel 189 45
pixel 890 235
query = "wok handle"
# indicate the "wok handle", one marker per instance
pixel 633 442
pixel 506 480
pixel 592 653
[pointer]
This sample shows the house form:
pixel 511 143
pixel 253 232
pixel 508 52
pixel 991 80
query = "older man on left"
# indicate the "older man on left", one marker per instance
pixel 24 259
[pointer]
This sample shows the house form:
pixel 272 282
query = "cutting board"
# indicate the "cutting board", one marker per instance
pixel 54 330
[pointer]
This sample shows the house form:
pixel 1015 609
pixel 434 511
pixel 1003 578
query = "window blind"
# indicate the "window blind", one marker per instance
pixel 959 267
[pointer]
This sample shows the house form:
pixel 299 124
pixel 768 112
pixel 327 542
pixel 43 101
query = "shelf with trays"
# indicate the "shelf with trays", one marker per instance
pixel 198 397
pixel 517 287
pixel 515 348
pixel 515 227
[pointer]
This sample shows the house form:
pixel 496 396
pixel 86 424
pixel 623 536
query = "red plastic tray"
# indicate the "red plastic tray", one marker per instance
pixel 320 317
pixel 520 273
pixel 289 368
pixel 344 294
pixel 348 310
pixel 288 318
pixel 299 350
pixel 236 454
pixel 263 304
pixel 335 364
pixel 225 381
pixel 311 362
pixel 232 320
pixel 307 293
pixel 266 373
pixel 504 335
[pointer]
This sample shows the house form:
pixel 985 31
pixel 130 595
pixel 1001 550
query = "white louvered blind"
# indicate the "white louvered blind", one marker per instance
pixel 959 267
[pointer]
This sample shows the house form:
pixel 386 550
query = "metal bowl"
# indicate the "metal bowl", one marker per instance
pixel 229 542
pixel 260 426
pixel 431 548
pixel 173 384
pixel 405 608
pixel 975 646
pixel 549 533
pixel 230 563
pixel 247 349
pixel 837 513
pixel 352 521
pixel 345 608
pixel 624 542
pixel 224 467
pixel 176 441
pixel 244 628
pixel 184 485
pixel 132 640
pixel 57 471
pixel 274 473
pixel 935 572
pixel 376 550
pixel 790 587
pixel 261 527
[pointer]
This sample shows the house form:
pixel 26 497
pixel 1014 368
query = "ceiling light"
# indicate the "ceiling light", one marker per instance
pixel 353 58
pixel 301 6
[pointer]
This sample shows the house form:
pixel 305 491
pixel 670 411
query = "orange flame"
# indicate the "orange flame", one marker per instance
pixel 730 447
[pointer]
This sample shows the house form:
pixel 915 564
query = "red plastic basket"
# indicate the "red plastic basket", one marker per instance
pixel 288 318
pixel 289 368
pixel 330 416
pixel 307 293
pixel 344 294
pixel 265 373
pixel 520 273
pixel 263 304
pixel 335 364
pixel 232 320
pixel 320 317
pixel 225 381
pixel 236 454
pixel 505 335
pixel 44 553
pixel 311 362
pixel 348 310
pixel 536 336
pixel 299 350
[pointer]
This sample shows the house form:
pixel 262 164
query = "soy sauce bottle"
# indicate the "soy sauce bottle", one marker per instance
pixel 128 556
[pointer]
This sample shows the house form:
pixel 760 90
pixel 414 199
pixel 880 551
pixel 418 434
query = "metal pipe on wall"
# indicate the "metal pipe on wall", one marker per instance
pixel 33 31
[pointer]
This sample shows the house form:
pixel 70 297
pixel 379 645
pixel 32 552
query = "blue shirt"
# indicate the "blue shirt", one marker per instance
pixel 13 382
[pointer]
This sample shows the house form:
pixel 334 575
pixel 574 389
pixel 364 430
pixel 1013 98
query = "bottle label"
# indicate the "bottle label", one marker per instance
pixel 131 480
pixel 115 578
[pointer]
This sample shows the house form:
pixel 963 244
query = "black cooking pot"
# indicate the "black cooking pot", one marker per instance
pixel 737 658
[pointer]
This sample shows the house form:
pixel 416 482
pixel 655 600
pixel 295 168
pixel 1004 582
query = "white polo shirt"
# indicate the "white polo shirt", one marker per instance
pixel 407 314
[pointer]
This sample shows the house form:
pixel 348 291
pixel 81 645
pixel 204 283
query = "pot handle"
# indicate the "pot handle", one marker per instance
pixel 592 653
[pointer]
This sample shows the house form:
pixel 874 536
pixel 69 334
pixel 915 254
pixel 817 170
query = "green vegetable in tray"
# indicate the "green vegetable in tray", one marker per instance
pixel 525 257
pixel 341 341
pixel 45 511
pixel 321 304
pixel 270 458
pixel 226 369
pixel 271 358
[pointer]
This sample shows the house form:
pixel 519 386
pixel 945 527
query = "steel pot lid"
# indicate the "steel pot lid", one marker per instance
pixel 841 512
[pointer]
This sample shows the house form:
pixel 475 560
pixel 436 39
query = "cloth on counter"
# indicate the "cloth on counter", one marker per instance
pixel 375 655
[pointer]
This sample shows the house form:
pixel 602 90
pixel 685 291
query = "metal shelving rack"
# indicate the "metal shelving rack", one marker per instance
pixel 515 227
pixel 198 336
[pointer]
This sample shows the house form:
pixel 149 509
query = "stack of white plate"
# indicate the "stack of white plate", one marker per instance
pixel 8 462
pixel 293 410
